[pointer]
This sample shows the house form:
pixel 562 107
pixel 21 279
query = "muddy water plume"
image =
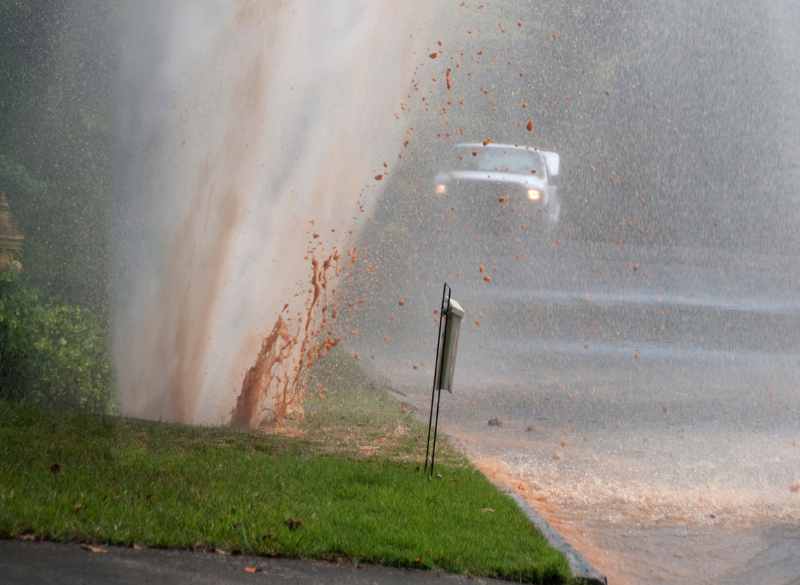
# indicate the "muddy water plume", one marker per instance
pixel 245 133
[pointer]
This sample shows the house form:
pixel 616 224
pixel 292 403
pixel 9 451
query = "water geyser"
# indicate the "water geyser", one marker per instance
pixel 245 132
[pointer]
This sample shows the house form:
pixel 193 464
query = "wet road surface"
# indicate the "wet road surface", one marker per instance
pixel 651 416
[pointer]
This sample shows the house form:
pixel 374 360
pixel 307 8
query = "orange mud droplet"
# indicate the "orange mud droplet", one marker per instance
pixel 416 367
pixel 487 278
pixel 321 397
pixel 487 141
pixel 378 177
pixel 618 425
pixel 586 438
pixel 530 125
pixel 401 302
pixel 478 323
pixel 432 55
pixel 565 443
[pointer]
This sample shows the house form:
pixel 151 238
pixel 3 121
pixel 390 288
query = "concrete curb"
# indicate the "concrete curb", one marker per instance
pixel 582 570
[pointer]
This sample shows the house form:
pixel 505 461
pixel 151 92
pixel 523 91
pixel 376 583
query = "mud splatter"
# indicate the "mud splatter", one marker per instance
pixel 276 383
pixel 274 350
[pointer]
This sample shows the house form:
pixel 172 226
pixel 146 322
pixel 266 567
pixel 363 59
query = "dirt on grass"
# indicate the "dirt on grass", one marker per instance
pixel 346 413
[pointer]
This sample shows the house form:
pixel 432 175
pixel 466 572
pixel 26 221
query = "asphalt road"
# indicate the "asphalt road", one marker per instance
pixel 34 563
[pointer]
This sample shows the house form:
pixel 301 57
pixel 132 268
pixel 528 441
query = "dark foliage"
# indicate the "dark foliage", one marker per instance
pixel 52 353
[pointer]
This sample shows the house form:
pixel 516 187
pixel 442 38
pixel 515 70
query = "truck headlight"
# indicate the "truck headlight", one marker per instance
pixel 441 189
pixel 534 194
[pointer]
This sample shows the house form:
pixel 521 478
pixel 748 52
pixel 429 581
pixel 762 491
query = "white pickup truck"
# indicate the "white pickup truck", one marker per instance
pixel 502 188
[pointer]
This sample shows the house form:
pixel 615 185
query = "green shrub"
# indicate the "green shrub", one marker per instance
pixel 52 353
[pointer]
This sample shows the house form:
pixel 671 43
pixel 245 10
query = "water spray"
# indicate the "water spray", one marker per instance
pixel 240 124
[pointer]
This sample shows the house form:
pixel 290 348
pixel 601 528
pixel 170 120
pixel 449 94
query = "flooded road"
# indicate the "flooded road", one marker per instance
pixel 650 415
pixel 640 361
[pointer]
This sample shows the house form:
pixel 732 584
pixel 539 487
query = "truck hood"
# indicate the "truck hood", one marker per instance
pixel 494 177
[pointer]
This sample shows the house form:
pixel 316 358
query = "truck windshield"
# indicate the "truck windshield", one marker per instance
pixel 498 159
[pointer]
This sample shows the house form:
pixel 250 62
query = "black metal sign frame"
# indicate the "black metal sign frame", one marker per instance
pixel 444 310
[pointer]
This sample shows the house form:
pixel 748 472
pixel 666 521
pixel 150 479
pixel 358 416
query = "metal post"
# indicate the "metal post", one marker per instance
pixel 445 295
pixel 435 431
pixel 439 398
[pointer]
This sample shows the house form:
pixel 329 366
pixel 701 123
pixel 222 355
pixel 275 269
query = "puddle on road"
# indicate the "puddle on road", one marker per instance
pixel 635 552
pixel 685 479
pixel 635 532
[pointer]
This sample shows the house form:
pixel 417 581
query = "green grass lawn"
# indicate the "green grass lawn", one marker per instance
pixel 351 473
